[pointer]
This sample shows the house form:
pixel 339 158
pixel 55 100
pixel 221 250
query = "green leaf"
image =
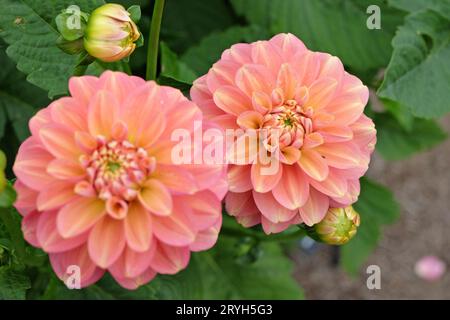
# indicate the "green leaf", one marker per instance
pixel 418 74
pixel 13 285
pixel 394 142
pixel 135 13
pixel 174 70
pixel 400 113
pixel 217 274
pixel 202 56
pixel 376 206
pixel 334 26
pixel 29 29
pixel 442 6
pixel 187 21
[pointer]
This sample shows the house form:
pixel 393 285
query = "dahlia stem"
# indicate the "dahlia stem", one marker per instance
pixel 281 237
pixel 153 40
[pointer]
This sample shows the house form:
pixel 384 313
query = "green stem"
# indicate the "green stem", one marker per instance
pixel 153 40
pixel 281 237
pixel 126 68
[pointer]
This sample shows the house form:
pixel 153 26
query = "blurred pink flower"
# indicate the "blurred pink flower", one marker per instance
pixel 430 268
pixel 97 187
pixel 315 107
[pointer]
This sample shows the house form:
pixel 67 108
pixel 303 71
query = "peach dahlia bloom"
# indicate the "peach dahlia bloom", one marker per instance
pixel 97 187
pixel 325 140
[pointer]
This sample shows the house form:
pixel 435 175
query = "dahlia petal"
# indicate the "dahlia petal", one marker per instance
pixel 29 227
pixel 315 208
pixel 287 81
pixel 203 97
pixel 250 220
pixel 106 241
pixel 138 228
pixel 290 155
pixel 79 215
pixel 176 229
pixel 103 113
pixel 40 119
pixel 59 140
pixel 264 53
pixel 26 198
pixel 118 83
pixel 85 141
pixel 340 155
pixel 131 263
pixel 176 178
pixel 207 238
pixel 293 189
pixel 332 67
pixel 68 112
pixel 240 53
pixel 49 238
pixel 266 177
pixel 61 263
pixel 83 88
pixel 307 65
pixel 31 164
pixel 262 102
pixel 136 282
pixel 321 92
pixel 313 164
pixel 336 134
pixel 170 260
pixel 144 116
pixel 55 195
pixel 155 197
pixel 270 227
pixel 250 120
pixel 254 78
pixel 244 150
pixel 206 208
pixel 240 204
pixel 65 169
pixel 271 209
pixel 290 45
pixel 239 178
pixel 225 121
pixel 231 100
pixel 334 185
pixel 312 140
pixel 221 74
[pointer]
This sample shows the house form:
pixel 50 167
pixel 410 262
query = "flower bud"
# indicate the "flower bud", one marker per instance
pixel 110 33
pixel 338 226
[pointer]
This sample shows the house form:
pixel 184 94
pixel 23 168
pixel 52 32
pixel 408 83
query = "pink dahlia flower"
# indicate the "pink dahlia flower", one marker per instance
pixel 316 108
pixel 98 189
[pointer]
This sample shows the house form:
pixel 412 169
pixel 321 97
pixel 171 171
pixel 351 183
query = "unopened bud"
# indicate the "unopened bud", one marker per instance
pixel 338 226
pixel 110 33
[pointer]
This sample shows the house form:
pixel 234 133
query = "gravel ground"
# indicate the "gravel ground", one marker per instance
pixel 422 186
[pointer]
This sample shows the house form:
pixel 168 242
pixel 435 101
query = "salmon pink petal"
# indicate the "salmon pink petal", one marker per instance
pixel 55 195
pixel 29 227
pixel 340 155
pixel 267 54
pixel 176 178
pixel 136 282
pixel 250 120
pixel 271 209
pixel 138 228
pixel 293 188
pixel 240 204
pixel 31 165
pixel 307 66
pixel 315 208
pixel 254 78
pixel 231 100
pixel 207 238
pixel 321 92
pixel 289 45
pixel 119 83
pixel 63 262
pixel 206 208
pixel 59 140
pixel 336 134
pixel 106 241
pixel 155 197
pixel 221 74
pixel 332 67
pixel 334 185
pixel 176 229
pixel 143 115
pixel 66 169
pixel 244 150
pixel 269 227
pixel 79 216
pixel 239 52
pixel 68 112
pixel 83 88
pixel 287 80
pixel 26 198
pixel 266 177
pixel 313 164
pixel 40 119
pixel 131 263
pixel 312 140
pixel 49 238
pixel 103 113
pixel 170 260
pixel 239 178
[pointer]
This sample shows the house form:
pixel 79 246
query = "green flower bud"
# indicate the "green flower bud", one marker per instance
pixel 110 33
pixel 338 226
